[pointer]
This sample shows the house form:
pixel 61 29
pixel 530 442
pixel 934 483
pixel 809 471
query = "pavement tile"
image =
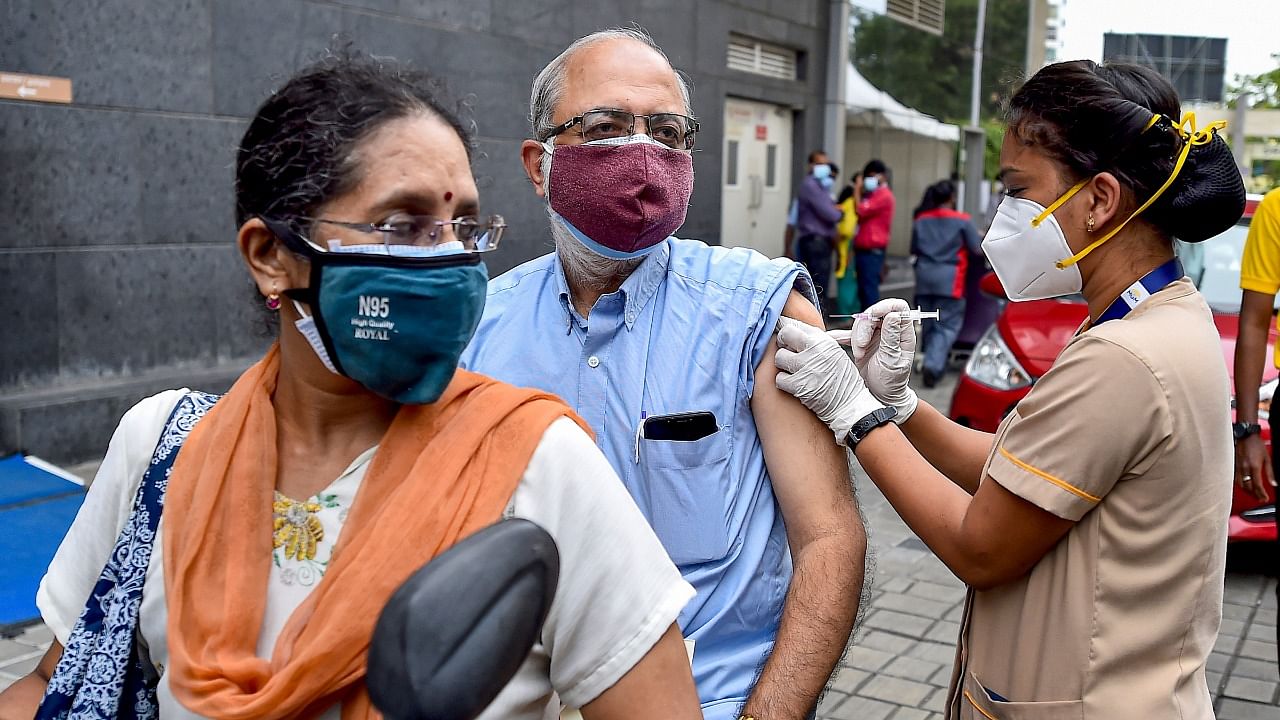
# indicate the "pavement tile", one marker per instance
pixel 1255 669
pixel 955 614
pixel 860 708
pixel 934 652
pixel 944 631
pixel 911 669
pixel 887 642
pixel 1214 681
pixel 864 658
pixel 1242 589
pixel 1265 616
pixel 912 605
pixel 1261 633
pixel 900 623
pixel 1259 650
pixel 1248 689
pixel 1236 612
pixel 942 678
pixel 1218 662
pixel 10 650
pixel 36 636
pixel 937 701
pixel 1226 644
pixel 1241 710
pixel 906 713
pixel 828 703
pixel 1235 628
pixel 23 664
pixel 847 680
pixel 895 690
pixel 894 585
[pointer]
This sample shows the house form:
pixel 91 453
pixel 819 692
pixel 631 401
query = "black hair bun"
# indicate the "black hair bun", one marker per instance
pixel 1208 196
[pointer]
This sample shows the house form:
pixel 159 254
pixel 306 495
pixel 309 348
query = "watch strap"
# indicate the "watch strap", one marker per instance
pixel 863 427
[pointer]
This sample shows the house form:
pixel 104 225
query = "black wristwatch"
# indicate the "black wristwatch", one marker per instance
pixel 1243 430
pixel 863 427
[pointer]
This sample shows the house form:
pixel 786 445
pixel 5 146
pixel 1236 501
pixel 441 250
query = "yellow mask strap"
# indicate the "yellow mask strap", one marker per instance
pixel 1191 138
pixel 1058 203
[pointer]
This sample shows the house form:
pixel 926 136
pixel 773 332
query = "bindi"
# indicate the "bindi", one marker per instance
pixel 448 196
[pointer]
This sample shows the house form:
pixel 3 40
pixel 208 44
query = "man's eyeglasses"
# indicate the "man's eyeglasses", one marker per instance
pixel 671 129
pixel 403 234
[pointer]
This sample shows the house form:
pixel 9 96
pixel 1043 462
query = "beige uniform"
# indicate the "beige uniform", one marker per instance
pixel 1128 435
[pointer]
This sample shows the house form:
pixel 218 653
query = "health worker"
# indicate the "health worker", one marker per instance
pixel 1092 526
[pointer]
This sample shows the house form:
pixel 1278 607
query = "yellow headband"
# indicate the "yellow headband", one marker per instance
pixel 1191 138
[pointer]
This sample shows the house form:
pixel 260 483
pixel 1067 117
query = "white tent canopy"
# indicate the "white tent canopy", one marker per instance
pixel 864 102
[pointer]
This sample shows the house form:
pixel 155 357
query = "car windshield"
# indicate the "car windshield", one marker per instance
pixel 1214 266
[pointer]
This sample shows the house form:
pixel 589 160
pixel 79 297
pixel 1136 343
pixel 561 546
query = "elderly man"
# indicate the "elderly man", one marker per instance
pixel 665 347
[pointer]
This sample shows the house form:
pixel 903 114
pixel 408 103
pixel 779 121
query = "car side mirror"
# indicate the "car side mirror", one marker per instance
pixel 453 635
pixel 990 284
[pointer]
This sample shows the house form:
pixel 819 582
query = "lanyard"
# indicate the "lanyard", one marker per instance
pixel 1151 283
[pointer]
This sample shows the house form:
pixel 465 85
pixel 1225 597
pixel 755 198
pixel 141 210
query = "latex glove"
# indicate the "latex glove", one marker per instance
pixel 813 367
pixel 884 348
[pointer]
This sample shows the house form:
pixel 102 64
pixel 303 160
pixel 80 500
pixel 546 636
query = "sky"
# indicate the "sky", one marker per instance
pixel 1252 27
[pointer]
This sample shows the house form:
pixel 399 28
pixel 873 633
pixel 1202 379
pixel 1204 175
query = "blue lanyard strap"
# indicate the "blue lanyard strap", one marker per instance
pixel 1150 284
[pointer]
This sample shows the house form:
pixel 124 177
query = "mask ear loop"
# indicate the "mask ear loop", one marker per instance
pixel 1191 138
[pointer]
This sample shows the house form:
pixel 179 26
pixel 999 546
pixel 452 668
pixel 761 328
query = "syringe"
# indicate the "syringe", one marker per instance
pixel 844 336
pixel 915 315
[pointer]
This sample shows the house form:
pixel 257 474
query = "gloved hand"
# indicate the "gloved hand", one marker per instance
pixel 884 348
pixel 813 367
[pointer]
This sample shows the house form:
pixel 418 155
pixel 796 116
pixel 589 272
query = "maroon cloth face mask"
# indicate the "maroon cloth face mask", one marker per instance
pixel 622 198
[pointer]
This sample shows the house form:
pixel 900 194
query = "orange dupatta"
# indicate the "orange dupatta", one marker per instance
pixel 441 472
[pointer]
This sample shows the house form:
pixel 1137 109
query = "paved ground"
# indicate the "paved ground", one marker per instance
pixel 900 663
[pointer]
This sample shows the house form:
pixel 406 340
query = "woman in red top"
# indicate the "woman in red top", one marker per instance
pixel 875 203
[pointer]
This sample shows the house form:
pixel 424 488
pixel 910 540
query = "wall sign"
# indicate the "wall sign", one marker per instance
pixel 39 88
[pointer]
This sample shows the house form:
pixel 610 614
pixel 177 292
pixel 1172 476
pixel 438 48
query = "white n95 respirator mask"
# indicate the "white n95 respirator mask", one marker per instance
pixel 1026 255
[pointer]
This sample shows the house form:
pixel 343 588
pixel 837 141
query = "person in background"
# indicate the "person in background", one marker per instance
pixel 816 218
pixel 816 157
pixel 874 203
pixel 1259 283
pixel 665 346
pixel 942 242
pixel 846 274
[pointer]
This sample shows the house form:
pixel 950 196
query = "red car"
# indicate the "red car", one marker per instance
pixel 1027 337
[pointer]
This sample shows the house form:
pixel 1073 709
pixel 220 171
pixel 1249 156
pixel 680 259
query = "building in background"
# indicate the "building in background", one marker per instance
pixel 118 275
pixel 1195 65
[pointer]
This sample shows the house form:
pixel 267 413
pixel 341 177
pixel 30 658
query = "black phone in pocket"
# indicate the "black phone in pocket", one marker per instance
pixel 685 427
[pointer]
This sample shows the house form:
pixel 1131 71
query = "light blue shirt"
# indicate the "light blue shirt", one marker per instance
pixel 683 333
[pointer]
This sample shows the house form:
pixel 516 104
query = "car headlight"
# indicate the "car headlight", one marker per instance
pixel 992 364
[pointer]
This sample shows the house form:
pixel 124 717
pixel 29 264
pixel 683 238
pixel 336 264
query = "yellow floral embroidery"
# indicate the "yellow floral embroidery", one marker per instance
pixel 296 527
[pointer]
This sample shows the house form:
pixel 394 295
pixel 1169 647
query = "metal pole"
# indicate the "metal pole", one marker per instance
pixel 976 91
pixel 834 120
pixel 975 139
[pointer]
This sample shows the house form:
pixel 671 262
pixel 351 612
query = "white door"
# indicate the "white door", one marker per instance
pixel 757 175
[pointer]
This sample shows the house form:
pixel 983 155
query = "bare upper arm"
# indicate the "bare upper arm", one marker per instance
pixel 810 472
pixel 661 683
pixel 22 698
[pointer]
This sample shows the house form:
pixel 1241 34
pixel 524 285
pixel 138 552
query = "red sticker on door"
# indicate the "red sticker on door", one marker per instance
pixel 762 132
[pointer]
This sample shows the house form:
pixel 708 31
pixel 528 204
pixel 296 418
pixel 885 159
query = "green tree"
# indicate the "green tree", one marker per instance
pixel 933 74
pixel 1263 89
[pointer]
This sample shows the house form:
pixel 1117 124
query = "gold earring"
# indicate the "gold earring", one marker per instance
pixel 1090 223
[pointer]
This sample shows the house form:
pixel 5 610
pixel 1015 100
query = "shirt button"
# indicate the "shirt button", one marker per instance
pixel 593 361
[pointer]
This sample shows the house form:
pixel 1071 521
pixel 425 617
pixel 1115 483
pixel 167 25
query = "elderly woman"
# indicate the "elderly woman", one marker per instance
pixel 351 454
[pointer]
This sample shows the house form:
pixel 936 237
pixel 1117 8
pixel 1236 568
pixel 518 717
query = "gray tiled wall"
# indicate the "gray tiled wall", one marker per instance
pixel 118 276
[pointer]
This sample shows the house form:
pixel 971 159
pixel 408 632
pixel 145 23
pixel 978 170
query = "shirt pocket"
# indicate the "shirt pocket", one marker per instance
pixel 976 704
pixel 685 486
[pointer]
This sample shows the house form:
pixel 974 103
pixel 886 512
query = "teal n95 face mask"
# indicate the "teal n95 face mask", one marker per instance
pixel 396 324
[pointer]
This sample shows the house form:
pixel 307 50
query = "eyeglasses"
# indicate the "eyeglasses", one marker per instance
pixel 419 234
pixel 671 129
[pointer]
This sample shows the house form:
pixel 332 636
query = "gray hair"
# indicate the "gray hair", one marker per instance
pixel 548 86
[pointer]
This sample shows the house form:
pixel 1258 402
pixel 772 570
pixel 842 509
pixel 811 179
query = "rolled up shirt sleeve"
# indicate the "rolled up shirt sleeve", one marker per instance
pixel 1098 416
